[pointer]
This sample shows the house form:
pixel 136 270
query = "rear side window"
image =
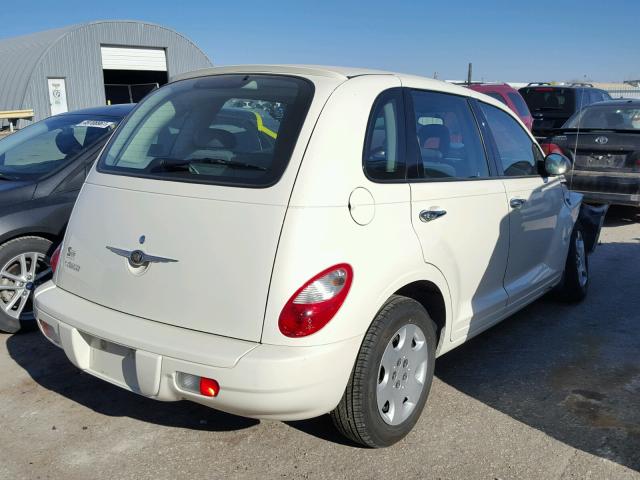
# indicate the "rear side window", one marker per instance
pixel 383 150
pixel 497 96
pixel 447 137
pixel 226 129
pixel 516 151
pixel 518 102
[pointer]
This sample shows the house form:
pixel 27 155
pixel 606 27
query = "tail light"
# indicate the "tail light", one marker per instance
pixel 549 148
pixel 55 258
pixel 314 304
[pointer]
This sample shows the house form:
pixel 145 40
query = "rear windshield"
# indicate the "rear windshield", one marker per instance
pixel 540 99
pixel 227 129
pixel 607 117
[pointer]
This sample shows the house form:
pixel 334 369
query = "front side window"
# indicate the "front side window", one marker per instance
pixel 447 137
pixel 516 151
pixel 383 149
pixel 227 129
pixel 50 144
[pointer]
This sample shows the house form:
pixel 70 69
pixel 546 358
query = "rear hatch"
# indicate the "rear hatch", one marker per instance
pixel 549 106
pixel 180 223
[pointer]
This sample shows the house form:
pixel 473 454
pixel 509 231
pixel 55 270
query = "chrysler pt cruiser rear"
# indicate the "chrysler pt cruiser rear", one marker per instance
pixel 284 242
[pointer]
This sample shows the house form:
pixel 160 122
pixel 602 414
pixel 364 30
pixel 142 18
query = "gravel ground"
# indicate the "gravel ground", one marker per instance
pixel 553 393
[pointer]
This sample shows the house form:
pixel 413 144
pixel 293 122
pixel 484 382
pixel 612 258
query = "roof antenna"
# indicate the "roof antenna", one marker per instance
pixel 575 146
pixel 469 72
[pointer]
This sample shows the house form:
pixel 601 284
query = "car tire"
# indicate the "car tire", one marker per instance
pixel 389 368
pixel 575 279
pixel 19 314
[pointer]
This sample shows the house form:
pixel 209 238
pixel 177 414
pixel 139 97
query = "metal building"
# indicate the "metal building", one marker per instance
pixel 91 64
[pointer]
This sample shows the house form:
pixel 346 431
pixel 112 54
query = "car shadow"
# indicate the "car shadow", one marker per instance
pixel 570 371
pixel 48 366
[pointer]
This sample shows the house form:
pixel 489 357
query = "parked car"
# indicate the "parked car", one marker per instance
pixel 552 105
pixel 322 273
pixel 603 140
pixel 42 168
pixel 508 95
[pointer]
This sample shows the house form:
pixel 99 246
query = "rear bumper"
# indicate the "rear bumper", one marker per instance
pixel 606 187
pixel 256 380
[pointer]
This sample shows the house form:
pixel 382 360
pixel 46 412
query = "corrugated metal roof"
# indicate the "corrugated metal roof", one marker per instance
pixel 74 53
pixel 18 58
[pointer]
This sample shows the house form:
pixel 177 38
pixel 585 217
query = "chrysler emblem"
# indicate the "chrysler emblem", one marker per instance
pixel 137 258
pixel 601 140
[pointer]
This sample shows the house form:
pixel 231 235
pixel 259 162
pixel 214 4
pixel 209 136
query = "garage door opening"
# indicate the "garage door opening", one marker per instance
pixel 130 86
pixel 131 73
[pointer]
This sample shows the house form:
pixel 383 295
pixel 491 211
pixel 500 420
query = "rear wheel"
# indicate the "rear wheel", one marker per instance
pixel 392 376
pixel 24 265
pixel 575 281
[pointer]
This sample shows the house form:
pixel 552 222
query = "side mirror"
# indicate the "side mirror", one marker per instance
pixel 556 164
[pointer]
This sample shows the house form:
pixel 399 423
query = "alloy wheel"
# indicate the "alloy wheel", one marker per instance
pixel 19 277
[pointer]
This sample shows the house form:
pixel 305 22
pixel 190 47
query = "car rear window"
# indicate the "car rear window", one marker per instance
pixel 608 117
pixel 237 130
pixel 540 99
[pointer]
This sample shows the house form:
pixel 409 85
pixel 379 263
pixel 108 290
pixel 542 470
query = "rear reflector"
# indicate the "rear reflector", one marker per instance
pixel 195 384
pixel 49 331
pixel 209 387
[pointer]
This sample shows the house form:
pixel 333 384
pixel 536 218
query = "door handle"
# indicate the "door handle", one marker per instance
pixel 429 215
pixel 517 202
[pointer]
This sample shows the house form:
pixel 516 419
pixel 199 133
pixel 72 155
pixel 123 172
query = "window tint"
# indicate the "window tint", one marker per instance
pixel 516 151
pixel 383 153
pixel 224 129
pixel 518 102
pixel 447 137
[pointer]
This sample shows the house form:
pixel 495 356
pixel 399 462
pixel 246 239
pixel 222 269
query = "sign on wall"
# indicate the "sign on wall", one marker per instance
pixel 57 95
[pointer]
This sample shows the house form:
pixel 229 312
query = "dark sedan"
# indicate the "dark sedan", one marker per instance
pixel 42 168
pixel 603 140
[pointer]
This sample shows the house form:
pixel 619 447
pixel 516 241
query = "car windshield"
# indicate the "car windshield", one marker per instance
pixel 540 99
pixel 226 129
pixel 607 117
pixel 47 145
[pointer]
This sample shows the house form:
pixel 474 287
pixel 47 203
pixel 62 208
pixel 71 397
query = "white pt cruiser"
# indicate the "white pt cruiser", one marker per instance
pixel 286 241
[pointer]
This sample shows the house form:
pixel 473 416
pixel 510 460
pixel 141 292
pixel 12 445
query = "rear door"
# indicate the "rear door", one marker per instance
pixel 458 208
pixel 534 204
pixel 180 222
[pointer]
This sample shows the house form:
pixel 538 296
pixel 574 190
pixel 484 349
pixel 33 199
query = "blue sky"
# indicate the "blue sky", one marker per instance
pixel 505 40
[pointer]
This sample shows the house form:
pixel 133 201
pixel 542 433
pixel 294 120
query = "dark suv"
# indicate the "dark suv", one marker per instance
pixel 552 105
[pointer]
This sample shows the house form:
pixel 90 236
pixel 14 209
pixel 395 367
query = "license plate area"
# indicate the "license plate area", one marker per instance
pixel 113 362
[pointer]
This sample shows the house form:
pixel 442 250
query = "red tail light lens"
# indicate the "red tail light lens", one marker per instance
pixel 549 148
pixel 316 302
pixel 209 387
pixel 55 258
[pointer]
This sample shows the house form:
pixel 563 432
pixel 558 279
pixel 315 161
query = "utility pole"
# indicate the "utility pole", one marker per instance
pixel 469 73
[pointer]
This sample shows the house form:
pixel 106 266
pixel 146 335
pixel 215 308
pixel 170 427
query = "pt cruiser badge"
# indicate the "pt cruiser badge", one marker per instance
pixel 138 258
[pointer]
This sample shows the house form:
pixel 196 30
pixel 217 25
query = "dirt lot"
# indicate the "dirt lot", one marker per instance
pixel 552 393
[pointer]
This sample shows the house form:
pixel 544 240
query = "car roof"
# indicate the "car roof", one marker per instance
pixel 341 74
pixel 304 70
pixel 118 111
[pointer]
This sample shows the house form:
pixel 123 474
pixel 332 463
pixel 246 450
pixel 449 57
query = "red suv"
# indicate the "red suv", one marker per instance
pixel 507 95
